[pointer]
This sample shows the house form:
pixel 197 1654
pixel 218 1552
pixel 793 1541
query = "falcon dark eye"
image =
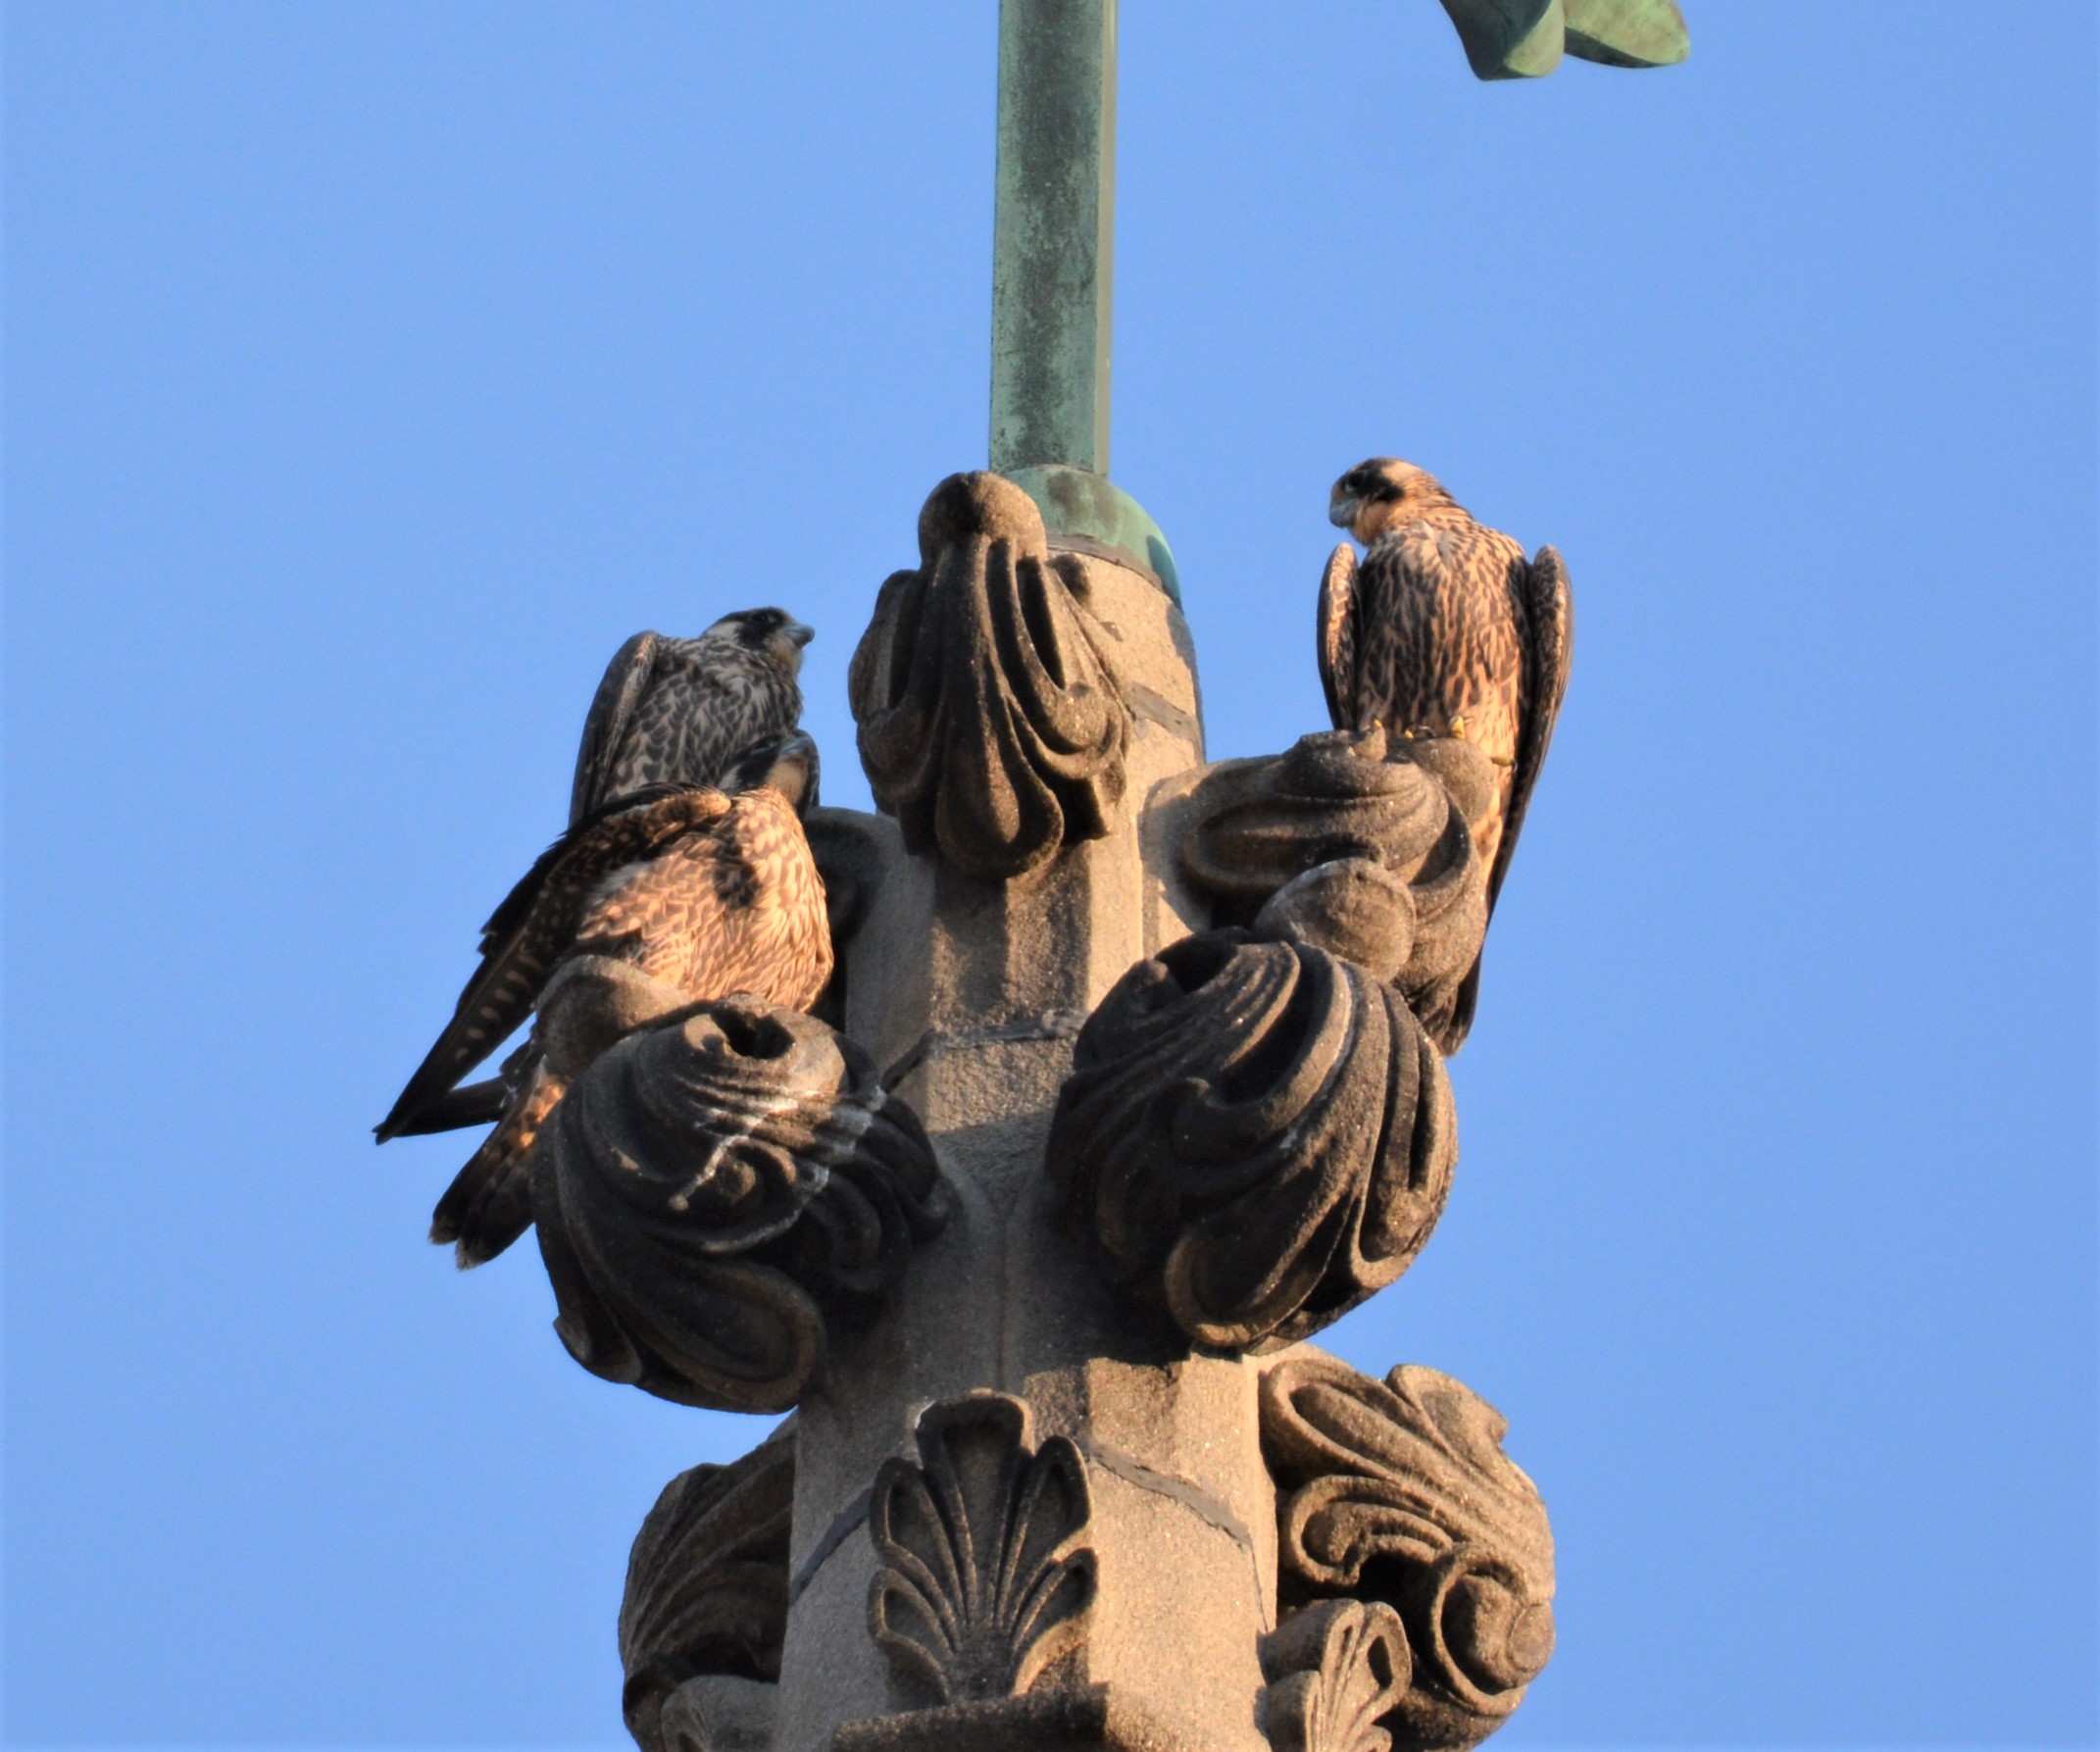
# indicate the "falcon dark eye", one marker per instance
pixel 760 626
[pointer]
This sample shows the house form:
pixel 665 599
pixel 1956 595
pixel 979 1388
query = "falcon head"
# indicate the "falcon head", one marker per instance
pixel 770 632
pixel 1381 493
pixel 788 766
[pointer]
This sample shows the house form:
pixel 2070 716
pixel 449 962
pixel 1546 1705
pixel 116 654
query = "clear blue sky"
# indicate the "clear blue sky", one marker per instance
pixel 373 370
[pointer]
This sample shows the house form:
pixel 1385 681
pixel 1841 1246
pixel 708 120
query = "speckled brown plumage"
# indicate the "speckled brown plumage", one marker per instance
pixel 710 893
pixel 1445 629
pixel 679 711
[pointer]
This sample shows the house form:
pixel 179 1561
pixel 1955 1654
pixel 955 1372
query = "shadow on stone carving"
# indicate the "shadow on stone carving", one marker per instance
pixel 710 1187
pixel 850 861
pixel 991 722
pixel 981 1585
pixel 1335 1669
pixel 1361 847
pixel 707 1594
pixel 1256 1135
pixel 1399 1491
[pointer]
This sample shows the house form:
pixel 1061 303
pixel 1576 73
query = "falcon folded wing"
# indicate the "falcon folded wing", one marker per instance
pixel 1337 637
pixel 612 711
pixel 536 923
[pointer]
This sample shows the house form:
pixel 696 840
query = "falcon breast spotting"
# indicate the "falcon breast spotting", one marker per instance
pixel 1444 629
pixel 710 891
pixel 667 711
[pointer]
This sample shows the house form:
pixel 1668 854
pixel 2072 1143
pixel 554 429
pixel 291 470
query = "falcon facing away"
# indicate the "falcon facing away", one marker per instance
pixel 712 892
pixel 1445 629
pixel 679 711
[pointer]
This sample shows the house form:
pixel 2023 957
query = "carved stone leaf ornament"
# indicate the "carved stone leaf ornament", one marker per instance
pixel 1400 1492
pixel 1258 1136
pixel 982 1585
pixel 991 724
pixel 1359 846
pixel 707 1583
pixel 710 1186
pixel 1335 1669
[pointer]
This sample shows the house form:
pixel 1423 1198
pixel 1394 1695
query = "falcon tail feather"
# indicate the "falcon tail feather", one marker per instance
pixel 471 1104
pixel 489 1203
pixel 526 933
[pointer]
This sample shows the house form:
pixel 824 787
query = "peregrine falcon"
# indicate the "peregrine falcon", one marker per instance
pixel 667 711
pixel 711 891
pixel 1445 629
pixel 677 710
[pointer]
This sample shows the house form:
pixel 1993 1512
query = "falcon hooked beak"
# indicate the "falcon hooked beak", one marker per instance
pixel 787 644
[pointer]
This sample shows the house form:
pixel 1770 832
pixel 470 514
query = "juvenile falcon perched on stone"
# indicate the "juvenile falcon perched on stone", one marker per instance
pixel 670 712
pixel 677 710
pixel 1445 629
pixel 711 891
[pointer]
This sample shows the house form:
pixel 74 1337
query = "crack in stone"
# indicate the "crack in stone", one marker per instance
pixel 1051 1025
pixel 1207 1506
pixel 834 1535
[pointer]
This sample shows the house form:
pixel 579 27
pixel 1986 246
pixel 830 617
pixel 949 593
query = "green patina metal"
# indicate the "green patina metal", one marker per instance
pixel 1089 511
pixel 1525 39
pixel 1053 278
pixel 1054 233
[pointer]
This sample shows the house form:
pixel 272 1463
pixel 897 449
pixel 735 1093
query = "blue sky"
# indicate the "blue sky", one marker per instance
pixel 373 370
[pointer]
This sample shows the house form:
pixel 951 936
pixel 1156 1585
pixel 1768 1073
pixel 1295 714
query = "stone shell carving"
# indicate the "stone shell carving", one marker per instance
pixel 1358 845
pixel 1257 1136
pixel 1400 1492
pixel 1335 1670
pixel 707 1585
pixel 983 1584
pixel 710 1187
pixel 991 724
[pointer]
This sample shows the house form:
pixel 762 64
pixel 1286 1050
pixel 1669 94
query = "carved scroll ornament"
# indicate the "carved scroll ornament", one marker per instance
pixel 707 1585
pixel 710 1187
pixel 1257 1136
pixel 1401 1493
pixel 1359 846
pixel 991 722
pixel 982 1585
pixel 1335 1670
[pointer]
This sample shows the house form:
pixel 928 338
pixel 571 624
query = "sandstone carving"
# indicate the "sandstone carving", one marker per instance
pixel 710 1187
pixel 1257 1136
pixel 707 1587
pixel 1225 1541
pixel 982 1585
pixel 1335 1669
pixel 1362 845
pixel 990 724
pixel 1400 1492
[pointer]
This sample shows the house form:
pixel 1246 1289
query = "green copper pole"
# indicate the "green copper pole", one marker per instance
pixel 1054 233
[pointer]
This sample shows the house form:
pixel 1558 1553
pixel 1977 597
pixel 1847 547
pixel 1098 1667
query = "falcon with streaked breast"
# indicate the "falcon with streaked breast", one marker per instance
pixel 1444 629
pixel 667 711
pixel 709 891
pixel 677 710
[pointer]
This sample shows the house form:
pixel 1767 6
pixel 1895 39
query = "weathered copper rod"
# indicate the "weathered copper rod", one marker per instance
pixel 1054 233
